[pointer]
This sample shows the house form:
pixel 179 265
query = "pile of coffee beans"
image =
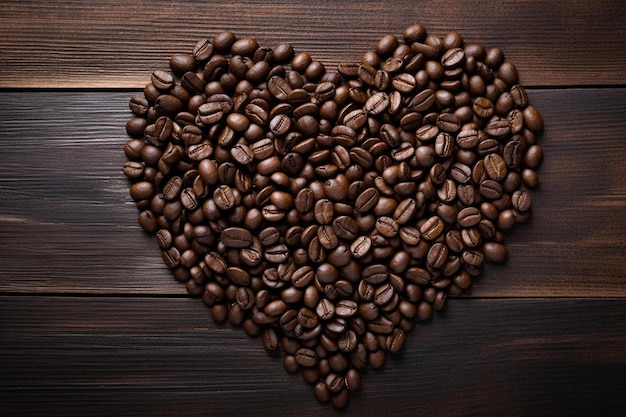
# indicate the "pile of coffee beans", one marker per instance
pixel 326 211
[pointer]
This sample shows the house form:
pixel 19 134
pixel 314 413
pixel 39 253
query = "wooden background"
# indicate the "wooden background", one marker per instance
pixel 91 323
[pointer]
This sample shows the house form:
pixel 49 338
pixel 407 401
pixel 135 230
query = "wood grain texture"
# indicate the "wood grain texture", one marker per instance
pixel 92 323
pixel 101 356
pixel 67 223
pixel 117 44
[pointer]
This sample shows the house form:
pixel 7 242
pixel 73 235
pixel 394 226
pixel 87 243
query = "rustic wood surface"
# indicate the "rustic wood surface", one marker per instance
pixel 91 322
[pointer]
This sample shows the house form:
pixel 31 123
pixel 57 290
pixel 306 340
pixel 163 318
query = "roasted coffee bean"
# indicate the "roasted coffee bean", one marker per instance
pixel 432 228
pixel 306 357
pixel 494 252
pixel 375 274
pixel 324 211
pixel 521 200
pixel 387 226
pixel 361 246
pixel 437 255
pixel 490 189
pixel 495 167
pixel 345 308
pixel 224 197
pixel 469 216
pixel 236 237
pixel 448 122
pixel 498 128
pixel 325 309
pixel 367 200
pixel 162 80
pixel 467 138
pixel 422 101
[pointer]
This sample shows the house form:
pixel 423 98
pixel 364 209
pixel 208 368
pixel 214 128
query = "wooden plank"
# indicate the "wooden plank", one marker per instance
pixel 118 44
pixel 77 356
pixel 67 224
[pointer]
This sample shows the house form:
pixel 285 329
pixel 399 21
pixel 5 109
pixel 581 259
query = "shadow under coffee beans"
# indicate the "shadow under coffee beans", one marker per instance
pixel 328 211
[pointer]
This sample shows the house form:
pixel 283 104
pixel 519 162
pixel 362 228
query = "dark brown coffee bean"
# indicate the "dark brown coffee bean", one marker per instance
pixel 307 318
pixel 471 237
pixel 488 146
pixel 469 217
pixel 325 309
pixel 453 58
pixel 361 246
pixel 495 167
pixel 367 200
pixel 345 308
pixel 467 138
pixel 277 253
pixel 139 105
pixel 395 341
pixel 448 122
pixel 377 104
pixel 422 101
pixel 236 237
pixel 306 357
pixel 381 325
pixel 473 257
pixel 142 190
pixel 437 255
pixel 324 211
pixel 521 200
pixel 387 226
pixel 427 132
pixel 383 294
pixel 404 83
pixel 162 80
pixel 327 237
pixel 224 197
pixel 375 274
pixel 432 228
pixel 498 128
pixel 533 119
pixel 280 124
pixel 490 189
pixel 494 252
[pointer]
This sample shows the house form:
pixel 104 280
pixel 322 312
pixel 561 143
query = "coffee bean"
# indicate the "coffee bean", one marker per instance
pixel 375 274
pixel 236 237
pixel 361 246
pixel 448 122
pixel 224 197
pixel 432 228
pixel 469 216
pixel 367 200
pixel 345 308
pixel 162 80
pixel 490 189
pixel 422 101
pixel 324 211
pixel 467 138
pixel 142 190
pixel 306 357
pixel 437 255
pixel 387 226
pixel 395 341
pixel 498 128
pixel 533 156
pixel 495 167
pixel 494 252
pixel 521 200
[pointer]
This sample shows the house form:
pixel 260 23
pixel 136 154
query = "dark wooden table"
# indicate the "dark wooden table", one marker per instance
pixel 91 322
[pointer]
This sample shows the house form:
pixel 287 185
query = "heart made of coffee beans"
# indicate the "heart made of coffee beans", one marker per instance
pixel 328 211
